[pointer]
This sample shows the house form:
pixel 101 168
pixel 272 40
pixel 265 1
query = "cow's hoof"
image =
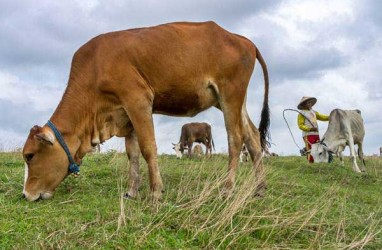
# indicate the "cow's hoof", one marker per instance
pixel 226 193
pixel 127 196
pixel 156 196
pixel 259 195
pixel 260 190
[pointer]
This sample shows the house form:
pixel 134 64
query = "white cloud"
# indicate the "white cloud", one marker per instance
pixel 328 49
pixel 10 140
pixel 40 97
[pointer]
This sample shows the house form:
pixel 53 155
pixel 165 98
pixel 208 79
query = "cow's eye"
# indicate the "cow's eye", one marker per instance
pixel 28 157
pixel 320 153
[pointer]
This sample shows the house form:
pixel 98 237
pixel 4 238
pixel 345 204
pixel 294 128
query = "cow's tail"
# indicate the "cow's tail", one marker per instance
pixel 265 112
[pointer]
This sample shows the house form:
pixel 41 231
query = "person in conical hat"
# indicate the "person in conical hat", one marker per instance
pixel 307 122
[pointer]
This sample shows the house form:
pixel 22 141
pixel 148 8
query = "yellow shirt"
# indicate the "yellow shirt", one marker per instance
pixel 313 116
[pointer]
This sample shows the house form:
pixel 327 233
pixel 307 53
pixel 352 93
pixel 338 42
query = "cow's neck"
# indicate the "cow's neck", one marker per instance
pixel 72 118
pixel 86 120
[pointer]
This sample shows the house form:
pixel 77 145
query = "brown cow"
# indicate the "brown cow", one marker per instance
pixel 118 80
pixel 194 132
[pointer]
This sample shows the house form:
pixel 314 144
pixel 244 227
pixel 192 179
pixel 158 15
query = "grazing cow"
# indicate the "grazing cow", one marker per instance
pixel 345 128
pixel 197 150
pixel 194 132
pixel 268 153
pixel 117 82
pixel 244 154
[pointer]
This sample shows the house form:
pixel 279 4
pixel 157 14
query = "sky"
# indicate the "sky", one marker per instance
pixel 329 49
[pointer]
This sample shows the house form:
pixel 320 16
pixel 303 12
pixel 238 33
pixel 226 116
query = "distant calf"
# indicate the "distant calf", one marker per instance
pixel 197 150
pixel 244 154
pixel 194 132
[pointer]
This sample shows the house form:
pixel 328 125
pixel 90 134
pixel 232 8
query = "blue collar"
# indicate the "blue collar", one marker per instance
pixel 73 166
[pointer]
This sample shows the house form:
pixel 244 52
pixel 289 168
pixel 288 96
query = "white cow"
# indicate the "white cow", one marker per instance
pixel 345 129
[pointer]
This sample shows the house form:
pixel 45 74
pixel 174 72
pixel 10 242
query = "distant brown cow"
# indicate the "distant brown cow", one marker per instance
pixel 194 132
pixel 118 80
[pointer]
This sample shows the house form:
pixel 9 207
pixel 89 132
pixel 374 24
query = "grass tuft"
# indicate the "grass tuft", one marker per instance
pixel 307 206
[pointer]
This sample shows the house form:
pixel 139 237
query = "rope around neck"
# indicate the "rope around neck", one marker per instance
pixel 73 166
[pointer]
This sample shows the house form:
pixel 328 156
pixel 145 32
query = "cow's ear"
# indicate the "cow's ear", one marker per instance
pixel 45 137
pixel 36 129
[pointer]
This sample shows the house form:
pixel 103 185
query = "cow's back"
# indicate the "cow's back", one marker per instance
pixel 357 125
pixel 345 122
pixel 196 130
pixel 177 62
pixel 167 50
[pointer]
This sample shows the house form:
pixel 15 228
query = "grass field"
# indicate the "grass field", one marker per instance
pixel 306 206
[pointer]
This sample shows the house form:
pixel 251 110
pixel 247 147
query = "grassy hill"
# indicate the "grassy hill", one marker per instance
pixel 306 206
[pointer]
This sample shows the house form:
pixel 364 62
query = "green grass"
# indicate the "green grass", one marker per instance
pixel 306 206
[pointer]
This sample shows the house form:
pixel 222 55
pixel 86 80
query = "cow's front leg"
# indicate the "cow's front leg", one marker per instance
pixel 340 154
pixel 139 110
pixel 133 152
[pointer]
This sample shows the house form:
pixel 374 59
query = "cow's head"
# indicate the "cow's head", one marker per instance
pixel 179 149
pixel 46 164
pixel 320 152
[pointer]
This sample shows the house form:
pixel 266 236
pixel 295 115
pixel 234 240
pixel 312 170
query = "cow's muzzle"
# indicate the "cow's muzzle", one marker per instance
pixel 41 196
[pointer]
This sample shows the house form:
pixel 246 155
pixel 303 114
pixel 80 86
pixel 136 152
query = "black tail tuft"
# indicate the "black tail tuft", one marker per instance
pixel 264 127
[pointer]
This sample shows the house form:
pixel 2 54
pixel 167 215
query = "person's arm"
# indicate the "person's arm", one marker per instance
pixel 321 117
pixel 301 123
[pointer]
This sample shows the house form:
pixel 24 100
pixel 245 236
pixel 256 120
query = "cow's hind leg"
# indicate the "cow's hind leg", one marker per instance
pixel 361 156
pixel 231 105
pixel 207 143
pixel 353 155
pixel 235 140
pixel 252 142
pixel 133 152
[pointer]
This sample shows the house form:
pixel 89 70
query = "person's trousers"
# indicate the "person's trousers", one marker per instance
pixel 309 140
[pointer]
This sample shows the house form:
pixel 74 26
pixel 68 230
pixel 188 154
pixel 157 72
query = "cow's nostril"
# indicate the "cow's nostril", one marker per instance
pixel 39 198
pixel 23 196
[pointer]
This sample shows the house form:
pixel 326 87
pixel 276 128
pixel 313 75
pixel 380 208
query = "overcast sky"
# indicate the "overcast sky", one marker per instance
pixel 330 49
